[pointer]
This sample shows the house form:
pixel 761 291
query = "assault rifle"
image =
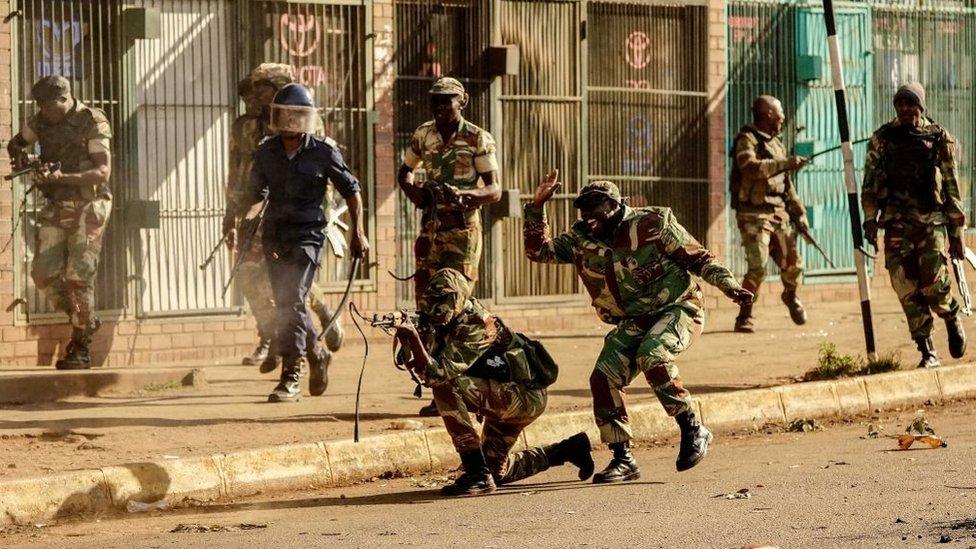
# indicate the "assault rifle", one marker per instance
pixel 247 240
pixel 805 233
pixel 35 166
pixel 390 321
pixel 959 270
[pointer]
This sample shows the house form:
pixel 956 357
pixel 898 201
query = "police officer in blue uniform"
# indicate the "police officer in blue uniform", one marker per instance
pixel 291 170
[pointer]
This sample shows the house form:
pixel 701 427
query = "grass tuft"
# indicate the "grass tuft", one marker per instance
pixel 831 364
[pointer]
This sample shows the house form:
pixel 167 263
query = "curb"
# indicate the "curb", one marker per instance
pixel 341 462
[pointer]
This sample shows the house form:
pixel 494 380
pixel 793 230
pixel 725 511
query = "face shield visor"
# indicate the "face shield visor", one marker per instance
pixel 293 118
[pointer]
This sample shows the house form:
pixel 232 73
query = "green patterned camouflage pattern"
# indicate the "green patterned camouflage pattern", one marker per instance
pixel 765 236
pixel 458 249
pixel 445 296
pixel 69 241
pixel 930 195
pixel 648 346
pixel 645 270
pixel 915 256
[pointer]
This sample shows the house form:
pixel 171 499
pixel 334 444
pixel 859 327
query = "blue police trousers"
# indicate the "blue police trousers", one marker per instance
pixel 292 270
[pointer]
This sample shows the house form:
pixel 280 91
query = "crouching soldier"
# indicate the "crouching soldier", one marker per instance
pixel 474 364
pixel 637 265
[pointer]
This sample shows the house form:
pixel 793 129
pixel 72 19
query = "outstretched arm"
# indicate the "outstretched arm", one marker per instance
pixel 539 244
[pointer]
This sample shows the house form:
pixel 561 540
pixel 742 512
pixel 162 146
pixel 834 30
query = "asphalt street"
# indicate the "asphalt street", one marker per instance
pixel 835 487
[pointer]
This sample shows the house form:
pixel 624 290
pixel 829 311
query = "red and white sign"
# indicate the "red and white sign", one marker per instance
pixel 300 34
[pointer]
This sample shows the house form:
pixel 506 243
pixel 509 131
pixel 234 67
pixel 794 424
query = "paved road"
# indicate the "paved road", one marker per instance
pixel 832 488
pixel 231 413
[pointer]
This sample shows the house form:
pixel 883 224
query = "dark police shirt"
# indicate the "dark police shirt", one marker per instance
pixel 295 187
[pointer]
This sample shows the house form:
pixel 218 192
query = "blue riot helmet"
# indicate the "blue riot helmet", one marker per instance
pixel 293 110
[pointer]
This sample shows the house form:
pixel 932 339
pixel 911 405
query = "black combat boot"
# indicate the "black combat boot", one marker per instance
pixel 744 323
pixel 260 353
pixel 695 439
pixel 76 355
pixel 430 410
pixel 288 389
pixel 622 466
pixel 475 478
pixel 797 313
pixel 957 336
pixel 318 362
pixel 576 450
pixel 270 362
pixel 929 357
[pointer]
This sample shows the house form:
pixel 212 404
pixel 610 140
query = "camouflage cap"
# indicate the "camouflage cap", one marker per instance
pixel 50 88
pixel 279 74
pixel 605 188
pixel 447 86
pixel 446 294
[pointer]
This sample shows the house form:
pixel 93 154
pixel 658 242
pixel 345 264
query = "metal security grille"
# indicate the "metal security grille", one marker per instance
pixel 435 39
pixel 330 45
pixel 542 112
pixel 934 44
pixel 761 60
pixel 184 92
pixel 82 41
pixel 647 96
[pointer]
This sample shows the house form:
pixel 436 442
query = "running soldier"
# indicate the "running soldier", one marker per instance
pixel 910 190
pixel 476 365
pixel 78 203
pixel 636 264
pixel 767 209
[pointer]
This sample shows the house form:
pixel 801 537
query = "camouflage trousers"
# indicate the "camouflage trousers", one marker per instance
pixel 508 408
pixel 765 236
pixel 252 278
pixel 915 256
pixel 645 345
pixel 459 249
pixel 69 241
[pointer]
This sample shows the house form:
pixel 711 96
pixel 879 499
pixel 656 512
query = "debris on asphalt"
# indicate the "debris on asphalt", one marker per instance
pixel 406 425
pixel 919 430
pixel 873 431
pixel 744 493
pixel 430 481
pixel 804 425
pixel 140 507
pixel 202 529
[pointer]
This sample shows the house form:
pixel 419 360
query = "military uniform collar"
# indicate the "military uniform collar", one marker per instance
pixel 464 128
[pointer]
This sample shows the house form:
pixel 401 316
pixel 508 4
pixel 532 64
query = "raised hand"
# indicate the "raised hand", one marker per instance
pixel 547 188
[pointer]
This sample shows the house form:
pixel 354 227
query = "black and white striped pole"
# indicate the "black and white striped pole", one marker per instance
pixel 847 151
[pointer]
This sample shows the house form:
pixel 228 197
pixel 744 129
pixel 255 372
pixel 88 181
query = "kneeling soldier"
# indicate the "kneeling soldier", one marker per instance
pixel 637 265
pixel 475 364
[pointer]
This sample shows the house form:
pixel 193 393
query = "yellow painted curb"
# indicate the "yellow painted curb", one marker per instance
pixel 741 408
pixel 353 461
pixel 53 496
pixel 290 467
pixel 896 388
pixel 172 480
pixel 957 381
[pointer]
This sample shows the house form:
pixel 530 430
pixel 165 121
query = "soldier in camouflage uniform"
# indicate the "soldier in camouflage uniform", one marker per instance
pixel 476 365
pixel 767 208
pixel 461 175
pixel 248 130
pixel 911 191
pixel 637 265
pixel 77 208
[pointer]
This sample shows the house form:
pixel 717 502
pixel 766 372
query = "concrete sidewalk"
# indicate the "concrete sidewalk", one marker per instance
pixel 229 413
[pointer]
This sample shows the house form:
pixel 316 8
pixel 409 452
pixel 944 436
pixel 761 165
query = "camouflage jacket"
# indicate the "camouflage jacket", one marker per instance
pixel 245 135
pixel 457 347
pixel 71 142
pixel 647 267
pixel 910 175
pixel 470 152
pixel 760 182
